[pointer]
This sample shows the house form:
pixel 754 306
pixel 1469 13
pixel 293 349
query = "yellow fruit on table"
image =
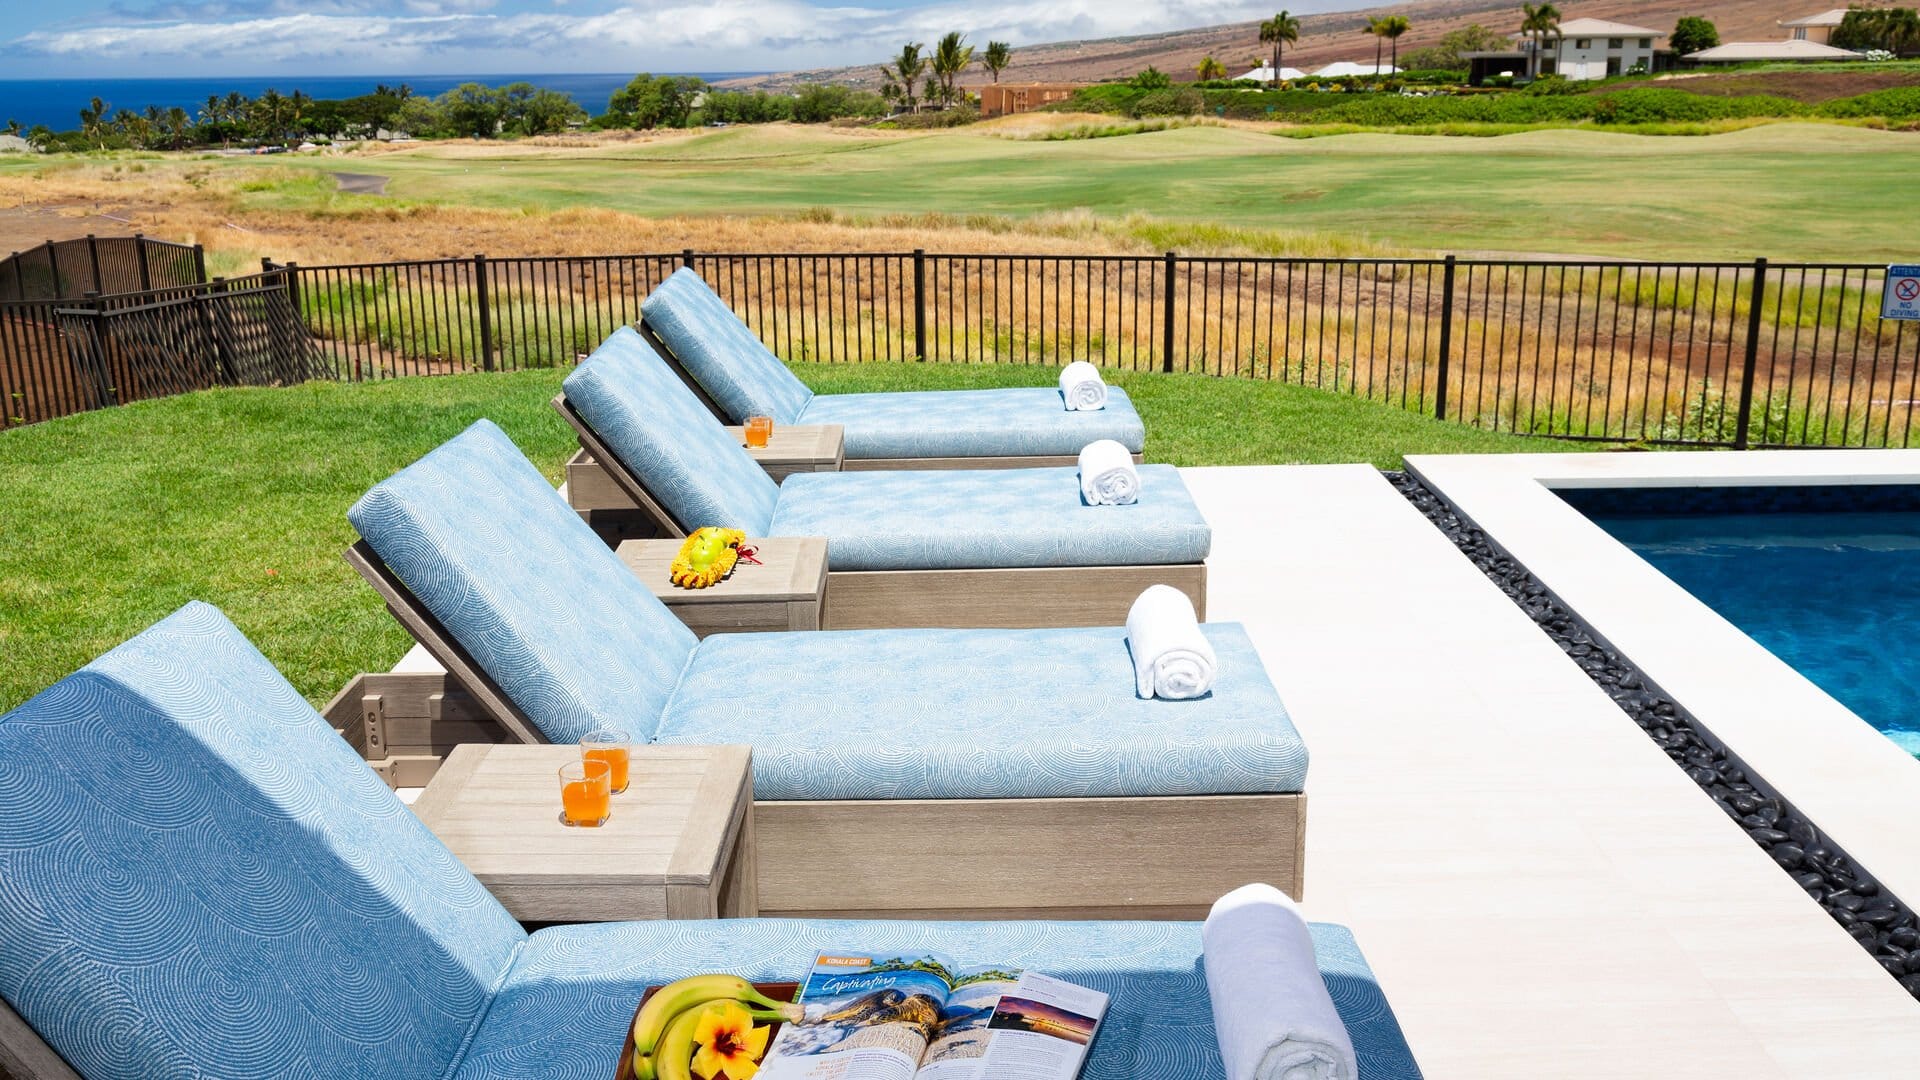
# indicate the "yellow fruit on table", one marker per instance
pixel 706 557
pixel 681 995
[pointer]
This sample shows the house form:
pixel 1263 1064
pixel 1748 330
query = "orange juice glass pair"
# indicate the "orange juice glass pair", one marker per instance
pixel 759 429
pixel 587 786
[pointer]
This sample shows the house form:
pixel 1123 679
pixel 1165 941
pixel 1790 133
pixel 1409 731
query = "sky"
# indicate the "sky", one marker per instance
pixel 196 38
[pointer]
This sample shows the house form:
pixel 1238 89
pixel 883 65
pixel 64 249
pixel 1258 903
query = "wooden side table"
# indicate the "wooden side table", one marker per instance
pixel 798 448
pixel 678 846
pixel 787 591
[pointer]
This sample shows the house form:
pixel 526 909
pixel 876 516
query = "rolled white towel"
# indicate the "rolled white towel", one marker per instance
pixel 1172 659
pixel 1107 475
pixel 1082 387
pixel 1271 1008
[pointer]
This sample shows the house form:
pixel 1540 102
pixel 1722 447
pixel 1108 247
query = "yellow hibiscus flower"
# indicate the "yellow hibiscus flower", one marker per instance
pixel 729 1043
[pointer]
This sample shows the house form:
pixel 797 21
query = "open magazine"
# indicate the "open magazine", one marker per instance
pixel 872 1017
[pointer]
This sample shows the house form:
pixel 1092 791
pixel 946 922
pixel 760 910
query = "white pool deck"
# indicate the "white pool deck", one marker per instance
pixel 1543 895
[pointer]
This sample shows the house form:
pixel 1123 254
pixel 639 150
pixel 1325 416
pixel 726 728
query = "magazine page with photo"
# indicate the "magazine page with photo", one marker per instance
pixel 900 1018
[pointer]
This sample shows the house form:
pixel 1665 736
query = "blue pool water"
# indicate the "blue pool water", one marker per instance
pixel 1834 593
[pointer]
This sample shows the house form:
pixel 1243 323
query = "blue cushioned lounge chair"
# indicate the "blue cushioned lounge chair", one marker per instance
pixel 736 377
pixel 871 740
pixel 197 878
pixel 954 547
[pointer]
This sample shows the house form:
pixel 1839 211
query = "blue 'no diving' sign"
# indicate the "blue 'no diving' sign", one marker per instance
pixel 1901 297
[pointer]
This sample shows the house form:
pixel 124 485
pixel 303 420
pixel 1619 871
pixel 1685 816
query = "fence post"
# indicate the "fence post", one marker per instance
pixel 486 314
pixel 919 303
pixel 686 259
pixel 93 256
pixel 1757 296
pixel 53 265
pixel 222 342
pixel 1166 323
pixel 97 353
pixel 200 262
pixel 146 269
pixel 1446 339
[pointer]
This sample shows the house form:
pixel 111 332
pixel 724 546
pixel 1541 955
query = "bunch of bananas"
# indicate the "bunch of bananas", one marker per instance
pixel 705 1026
pixel 706 557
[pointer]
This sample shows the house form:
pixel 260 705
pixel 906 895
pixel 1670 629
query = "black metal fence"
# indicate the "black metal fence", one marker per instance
pixel 70 269
pixel 1705 354
pixel 1701 354
pixel 65 356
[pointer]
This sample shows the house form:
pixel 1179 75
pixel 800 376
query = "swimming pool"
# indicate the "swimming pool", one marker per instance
pixel 1825 578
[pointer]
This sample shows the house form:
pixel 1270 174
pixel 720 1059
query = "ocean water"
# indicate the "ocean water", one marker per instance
pixel 57 102
pixel 1834 594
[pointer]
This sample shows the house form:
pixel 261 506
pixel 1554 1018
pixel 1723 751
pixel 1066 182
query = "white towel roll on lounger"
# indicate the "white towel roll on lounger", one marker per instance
pixel 1271 1008
pixel 1172 659
pixel 1107 475
pixel 1082 386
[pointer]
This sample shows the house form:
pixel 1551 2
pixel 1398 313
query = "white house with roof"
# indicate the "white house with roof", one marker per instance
pixel 1585 49
pixel 1740 52
pixel 1815 28
pixel 1264 73
pixel 1342 69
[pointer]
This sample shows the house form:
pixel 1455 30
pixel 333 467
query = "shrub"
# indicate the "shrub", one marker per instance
pixel 1151 79
pixel 1899 103
pixel 957 116
pixel 1185 101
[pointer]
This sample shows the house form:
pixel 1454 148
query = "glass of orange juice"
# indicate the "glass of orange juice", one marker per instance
pixel 586 793
pixel 613 748
pixel 759 430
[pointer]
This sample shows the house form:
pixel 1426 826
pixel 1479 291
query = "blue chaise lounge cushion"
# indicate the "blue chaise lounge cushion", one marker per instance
pixel 981 714
pixel 721 352
pixel 1019 421
pixel 684 457
pixel 572 992
pixel 745 379
pixel 548 610
pixel 935 519
pixel 199 878
pixel 960 519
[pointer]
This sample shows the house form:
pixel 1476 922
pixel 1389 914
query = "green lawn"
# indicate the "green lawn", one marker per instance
pixel 238 497
pixel 1787 191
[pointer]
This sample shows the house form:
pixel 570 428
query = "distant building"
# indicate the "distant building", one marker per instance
pixel 1264 73
pixel 14 144
pixel 1005 99
pixel 1586 49
pixel 1816 28
pixel 1736 52
pixel 1347 68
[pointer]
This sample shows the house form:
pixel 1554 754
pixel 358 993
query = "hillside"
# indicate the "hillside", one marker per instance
pixel 1324 38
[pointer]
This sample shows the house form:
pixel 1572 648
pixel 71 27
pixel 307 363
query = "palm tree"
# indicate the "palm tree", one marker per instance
pixel 297 105
pixel 93 122
pixel 997 58
pixel 1391 28
pixel 903 71
pixel 1282 29
pixel 951 55
pixel 13 127
pixel 177 123
pixel 1209 68
pixel 1379 39
pixel 235 107
pixel 1539 24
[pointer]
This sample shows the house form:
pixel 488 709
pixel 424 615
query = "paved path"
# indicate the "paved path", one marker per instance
pixel 1542 893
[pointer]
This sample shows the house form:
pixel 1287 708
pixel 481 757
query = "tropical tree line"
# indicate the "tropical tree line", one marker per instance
pixel 917 77
pixel 1894 30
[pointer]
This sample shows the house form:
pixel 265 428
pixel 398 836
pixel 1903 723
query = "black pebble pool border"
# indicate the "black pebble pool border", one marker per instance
pixel 1879 921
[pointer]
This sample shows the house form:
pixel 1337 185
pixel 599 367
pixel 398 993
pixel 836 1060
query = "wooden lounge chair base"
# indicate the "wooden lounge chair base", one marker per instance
pixel 1161 857
pixel 26 1056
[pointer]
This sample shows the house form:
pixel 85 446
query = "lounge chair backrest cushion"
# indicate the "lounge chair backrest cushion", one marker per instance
pixel 199 878
pixel 668 440
pixel 721 352
pixel 544 607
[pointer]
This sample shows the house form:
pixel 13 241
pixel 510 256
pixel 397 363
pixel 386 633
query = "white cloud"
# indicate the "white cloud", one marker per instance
pixel 660 34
